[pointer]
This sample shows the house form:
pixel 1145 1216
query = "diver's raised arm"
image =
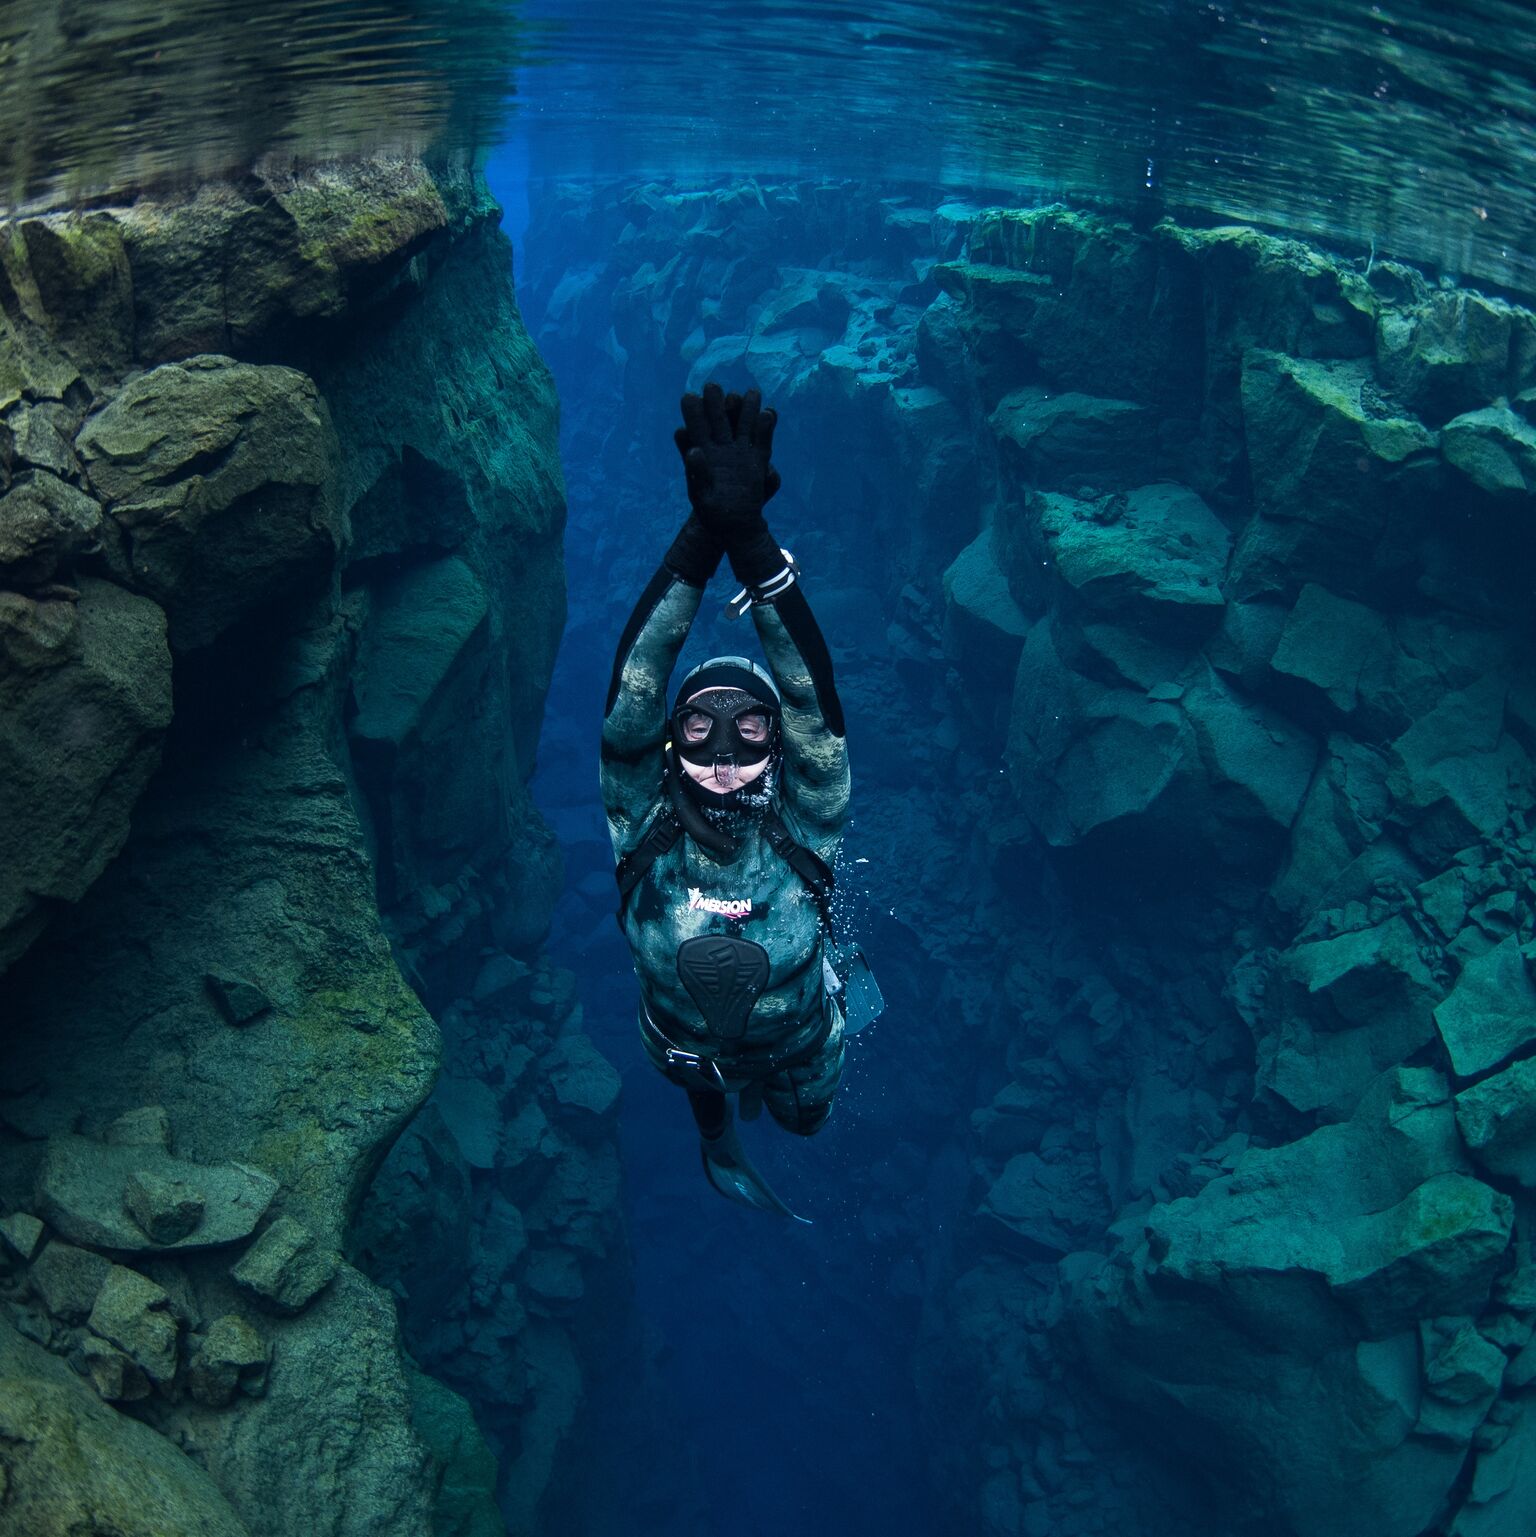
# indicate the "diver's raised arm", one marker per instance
pixel 815 782
pixel 727 443
pixel 635 715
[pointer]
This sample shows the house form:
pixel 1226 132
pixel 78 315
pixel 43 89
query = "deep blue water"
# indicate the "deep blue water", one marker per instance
pixel 783 1394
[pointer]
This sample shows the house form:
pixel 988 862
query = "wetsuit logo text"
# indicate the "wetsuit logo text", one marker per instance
pixel 727 907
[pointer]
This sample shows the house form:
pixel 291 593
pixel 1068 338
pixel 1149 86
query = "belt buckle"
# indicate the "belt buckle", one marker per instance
pixel 695 1062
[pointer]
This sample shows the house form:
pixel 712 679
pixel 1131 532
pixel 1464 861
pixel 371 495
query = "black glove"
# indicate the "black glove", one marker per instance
pixel 694 555
pixel 726 442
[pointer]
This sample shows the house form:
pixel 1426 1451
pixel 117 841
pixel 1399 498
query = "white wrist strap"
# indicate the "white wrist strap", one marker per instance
pixel 779 582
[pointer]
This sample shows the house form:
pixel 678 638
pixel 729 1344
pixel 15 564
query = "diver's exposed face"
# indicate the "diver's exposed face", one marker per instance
pixel 724 772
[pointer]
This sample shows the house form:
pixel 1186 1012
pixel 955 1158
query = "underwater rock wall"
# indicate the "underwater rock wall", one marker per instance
pixel 1206 561
pixel 280 550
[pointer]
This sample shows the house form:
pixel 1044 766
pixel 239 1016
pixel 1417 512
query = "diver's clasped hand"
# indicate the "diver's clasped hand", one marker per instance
pixel 727 444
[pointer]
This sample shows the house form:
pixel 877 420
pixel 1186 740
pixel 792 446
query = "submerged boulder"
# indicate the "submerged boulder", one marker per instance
pixel 1339 483
pixel 141 1197
pixel 1329 644
pixel 1185 764
pixel 230 1358
pixel 46 525
pixel 85 697
pixel 220 475
pixel 1497 1118
pixel 1494 449
pixel 1491 1011
pixel 285 1267
pixel 1151 559
pixel 135 1314
pixel 1451 351
pixel 1457 773
pixel 70 1464
pixel 1349 1008
pixel 984 627
pixel 1070 440
pixel 67 1279
pixel 1502 1497
pixel 241 267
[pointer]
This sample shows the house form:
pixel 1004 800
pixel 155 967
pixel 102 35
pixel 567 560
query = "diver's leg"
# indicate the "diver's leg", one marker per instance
pixel 708 1112
pixel 711 1113
pixel 800 1098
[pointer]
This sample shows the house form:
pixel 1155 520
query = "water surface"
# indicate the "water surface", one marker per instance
pixel 1403 129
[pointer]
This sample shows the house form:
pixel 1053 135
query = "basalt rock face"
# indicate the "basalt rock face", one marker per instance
pixel 1203 562
pixel 281 522
pixel 1276 670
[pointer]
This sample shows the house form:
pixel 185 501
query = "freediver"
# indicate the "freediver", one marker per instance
pixel 726 813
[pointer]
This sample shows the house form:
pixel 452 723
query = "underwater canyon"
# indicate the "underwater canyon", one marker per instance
pixel 1178 580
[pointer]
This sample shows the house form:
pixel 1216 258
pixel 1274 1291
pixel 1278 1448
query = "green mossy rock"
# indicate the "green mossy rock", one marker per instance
pixel 69 1464
pixel 221 475
pixel 1074 441
pixel 67 275
pixel 67 1279
pixel 285 1268
pixel 85 697
pixel 230 1358
pixel 1338 482
pixel 46 524
pixel 1494 449
pixel 1264 290
pixel 1437 1251
pixel 1151 560
pixel 1047 289
pixel 250 894
pixel 1451 351
pixel 246 860
pixel 41 439
pixel 88 1191
pixel 134 1313
pixel 240 268
pixel 331 1435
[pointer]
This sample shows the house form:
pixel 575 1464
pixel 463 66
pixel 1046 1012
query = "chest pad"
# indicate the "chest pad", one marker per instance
pixel 724 976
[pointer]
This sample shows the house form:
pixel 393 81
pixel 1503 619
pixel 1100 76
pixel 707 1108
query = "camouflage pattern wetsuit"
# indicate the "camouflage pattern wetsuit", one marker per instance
pixel 793 1043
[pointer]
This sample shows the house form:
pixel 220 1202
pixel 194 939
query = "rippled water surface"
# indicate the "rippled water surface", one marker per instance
pixel 100 96
pixel 1407 128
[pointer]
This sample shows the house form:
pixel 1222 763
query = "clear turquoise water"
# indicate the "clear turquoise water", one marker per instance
pixel 1406 127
